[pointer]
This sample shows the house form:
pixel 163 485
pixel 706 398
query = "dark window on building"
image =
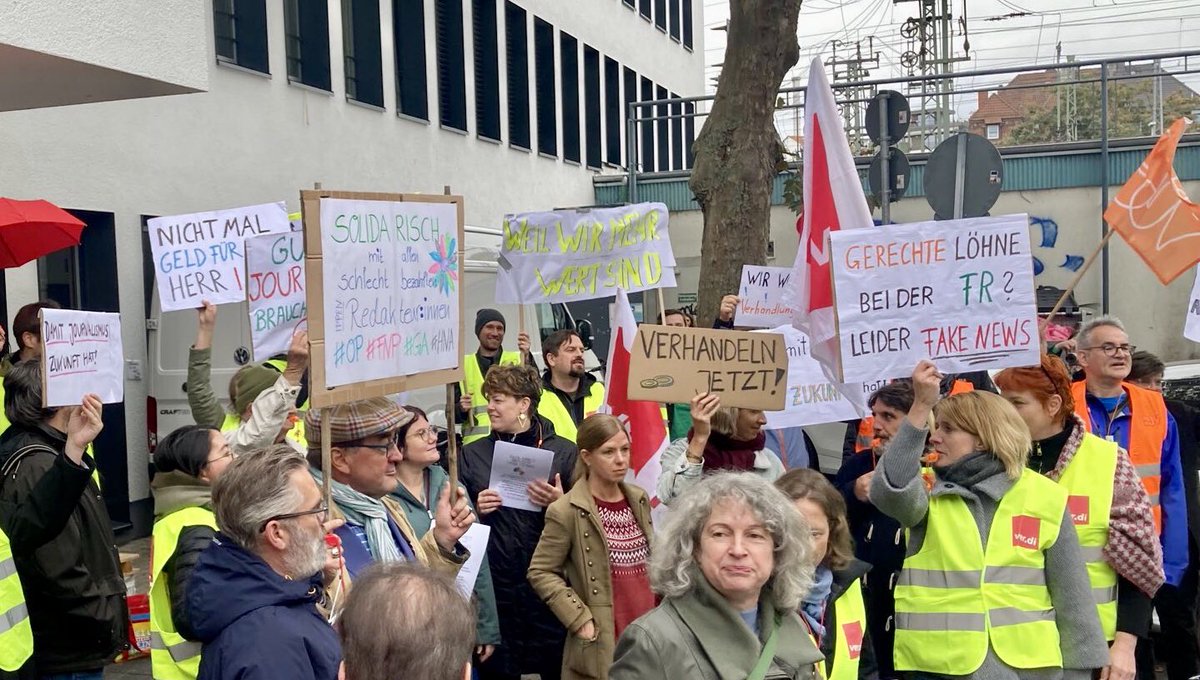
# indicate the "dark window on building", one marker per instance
pixel 664 133
pixel 674 20
pixel 516 44
pixel 687 24
pixel 487 69
pixel 660 15
pixel 631 90
pixel 451 66
pixel 591 106
pixel 612 111
pixel 676 134
pixel 361 44
pixel 646 126
pixel 569 58
pixel 628 3
pixel 240 27
pixel 408 29
pixel 543 56
pixel 644 9
pixel 306 37
pixel 689 134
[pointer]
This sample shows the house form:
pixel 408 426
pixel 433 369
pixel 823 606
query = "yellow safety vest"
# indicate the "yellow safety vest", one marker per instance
pixel 3 416
pixel 477 424
pixel 954 598
pixel 552 408
pixel 172 657
pixel 851 617
pixel 1088 480
pixel 296 434
pixel 16 635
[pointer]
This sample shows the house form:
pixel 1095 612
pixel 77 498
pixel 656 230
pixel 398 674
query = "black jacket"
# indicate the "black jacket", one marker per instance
pixel 1187 421
pixel 531 633
pixel 64 551
pixel 842 580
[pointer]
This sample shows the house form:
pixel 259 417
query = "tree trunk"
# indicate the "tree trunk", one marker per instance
pixel 738 150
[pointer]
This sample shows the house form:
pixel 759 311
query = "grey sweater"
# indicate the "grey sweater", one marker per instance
pixel 900 492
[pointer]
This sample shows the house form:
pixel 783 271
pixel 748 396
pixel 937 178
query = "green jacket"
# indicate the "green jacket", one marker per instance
pixel 206 409
pixel 487 629
pixel 699 636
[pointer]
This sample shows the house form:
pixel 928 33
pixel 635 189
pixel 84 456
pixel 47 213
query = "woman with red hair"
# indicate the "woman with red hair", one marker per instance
pixel 1107 503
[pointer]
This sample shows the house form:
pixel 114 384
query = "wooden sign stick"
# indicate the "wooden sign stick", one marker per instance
pixel 1079 274
pixel 662 308
pixel 326 457
pixel 451 445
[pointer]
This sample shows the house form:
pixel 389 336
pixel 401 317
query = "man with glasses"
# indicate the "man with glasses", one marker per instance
pixel 364 454
pixel 254 594
pixel 1137 419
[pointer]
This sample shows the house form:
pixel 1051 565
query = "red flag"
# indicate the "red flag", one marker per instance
pixel 647 431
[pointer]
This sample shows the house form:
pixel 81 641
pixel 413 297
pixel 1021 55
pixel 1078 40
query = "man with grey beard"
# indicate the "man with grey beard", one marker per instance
pixel 255 592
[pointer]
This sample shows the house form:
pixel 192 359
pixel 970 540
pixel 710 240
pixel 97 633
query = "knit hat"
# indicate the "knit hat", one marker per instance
pixel 355 421
pixel 485 316
pixel 249 382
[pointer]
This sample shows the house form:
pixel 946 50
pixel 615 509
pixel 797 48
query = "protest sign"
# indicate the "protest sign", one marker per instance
pixel 811 398
pixel 759 296
pixel 959 292
pixel 83 355
pixel 275 291
pixel 200 256
pixel 570 255
pixel 673 365
pixel 383 292
pixel 1191 326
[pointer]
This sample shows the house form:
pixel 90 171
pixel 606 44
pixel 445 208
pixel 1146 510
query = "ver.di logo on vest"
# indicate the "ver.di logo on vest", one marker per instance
pixel 853 634
pixel 1026 532
pixel 1079 507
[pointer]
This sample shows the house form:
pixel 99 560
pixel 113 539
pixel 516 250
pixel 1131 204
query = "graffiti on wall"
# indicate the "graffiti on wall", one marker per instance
pixel 1049 231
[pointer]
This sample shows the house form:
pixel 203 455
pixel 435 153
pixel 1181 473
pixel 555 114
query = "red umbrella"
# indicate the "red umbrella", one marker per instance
pixel 31 229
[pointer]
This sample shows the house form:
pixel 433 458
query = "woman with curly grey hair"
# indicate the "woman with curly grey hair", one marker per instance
pixel 732 564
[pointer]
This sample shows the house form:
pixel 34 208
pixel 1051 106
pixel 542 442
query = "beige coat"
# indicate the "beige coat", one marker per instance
pixel 571 573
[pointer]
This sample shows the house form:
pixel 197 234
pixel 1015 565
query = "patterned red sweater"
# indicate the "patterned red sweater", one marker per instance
pixel 628 553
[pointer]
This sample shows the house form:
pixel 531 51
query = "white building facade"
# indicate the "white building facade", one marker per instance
pixel 514 104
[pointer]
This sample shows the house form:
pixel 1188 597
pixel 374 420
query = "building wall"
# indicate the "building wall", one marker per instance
pixel 253 138
pixel 1154 314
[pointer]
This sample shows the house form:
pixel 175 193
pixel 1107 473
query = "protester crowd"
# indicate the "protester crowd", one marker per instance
pixel 1025 525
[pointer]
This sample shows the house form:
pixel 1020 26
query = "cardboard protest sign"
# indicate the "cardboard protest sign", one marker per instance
pixel 200 256
pixel 83 355
pixel 811 398
pixel 673 365
pixel 384 292
pixel 760 304
pixel 275 294
pixel 570 255
pixel 959 292
pixel 1191 325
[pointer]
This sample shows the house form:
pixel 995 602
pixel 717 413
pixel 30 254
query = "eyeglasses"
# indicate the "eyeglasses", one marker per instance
pixel 429 434
pixel 1111 350
pixel 381 448
pixel 230 454
pixel 319 510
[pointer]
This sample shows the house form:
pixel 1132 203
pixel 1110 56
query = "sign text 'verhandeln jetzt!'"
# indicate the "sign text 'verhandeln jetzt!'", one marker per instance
pixel 569 255
pixel 958 292
pixel 673 365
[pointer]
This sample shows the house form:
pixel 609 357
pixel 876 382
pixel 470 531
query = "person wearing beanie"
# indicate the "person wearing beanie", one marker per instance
pixel 263 400
pixel 187 461
pixel 363 457
pixel 472 407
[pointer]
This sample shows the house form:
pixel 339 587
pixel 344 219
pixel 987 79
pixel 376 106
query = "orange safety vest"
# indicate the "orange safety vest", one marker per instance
pixel 961 387
pixel 865 440
pixel 1147 429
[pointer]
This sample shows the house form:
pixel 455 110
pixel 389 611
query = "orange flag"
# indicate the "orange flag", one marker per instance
pixel 1153 214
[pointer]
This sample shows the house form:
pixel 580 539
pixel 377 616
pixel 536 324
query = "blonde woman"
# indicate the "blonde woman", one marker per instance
pixel 590 566
pixel 994 584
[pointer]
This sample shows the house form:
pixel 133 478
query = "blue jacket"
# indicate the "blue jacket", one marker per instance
pixel 254 624
pixel 1171 494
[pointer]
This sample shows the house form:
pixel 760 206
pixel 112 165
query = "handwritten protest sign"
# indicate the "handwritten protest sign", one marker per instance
pixel 1191 326
pixel 83 354
pixel 384 292
pixel 811 398
pixel 760 305
pixel 200 256
pixel 674 364
pixel 571 255
pixel 275 291
pixel 959 292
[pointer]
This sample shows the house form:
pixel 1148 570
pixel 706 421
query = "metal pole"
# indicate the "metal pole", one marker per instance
pixel 631 159
pixel 960 175
pixel 885 162
pixel 1104 185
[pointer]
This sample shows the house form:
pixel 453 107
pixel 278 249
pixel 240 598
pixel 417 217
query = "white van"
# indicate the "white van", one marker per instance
pixel 170 336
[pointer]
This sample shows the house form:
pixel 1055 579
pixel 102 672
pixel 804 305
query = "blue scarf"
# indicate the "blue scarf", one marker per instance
pixel 812 607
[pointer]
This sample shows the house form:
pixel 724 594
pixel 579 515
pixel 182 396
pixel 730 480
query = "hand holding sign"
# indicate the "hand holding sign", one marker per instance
pixel 450 522
pixel 83 427
pixel 523 344
pixel 489 501
pixel 927 387
pixel 729 305
pixel 206 323
pixel 297 357
pixel 543 494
